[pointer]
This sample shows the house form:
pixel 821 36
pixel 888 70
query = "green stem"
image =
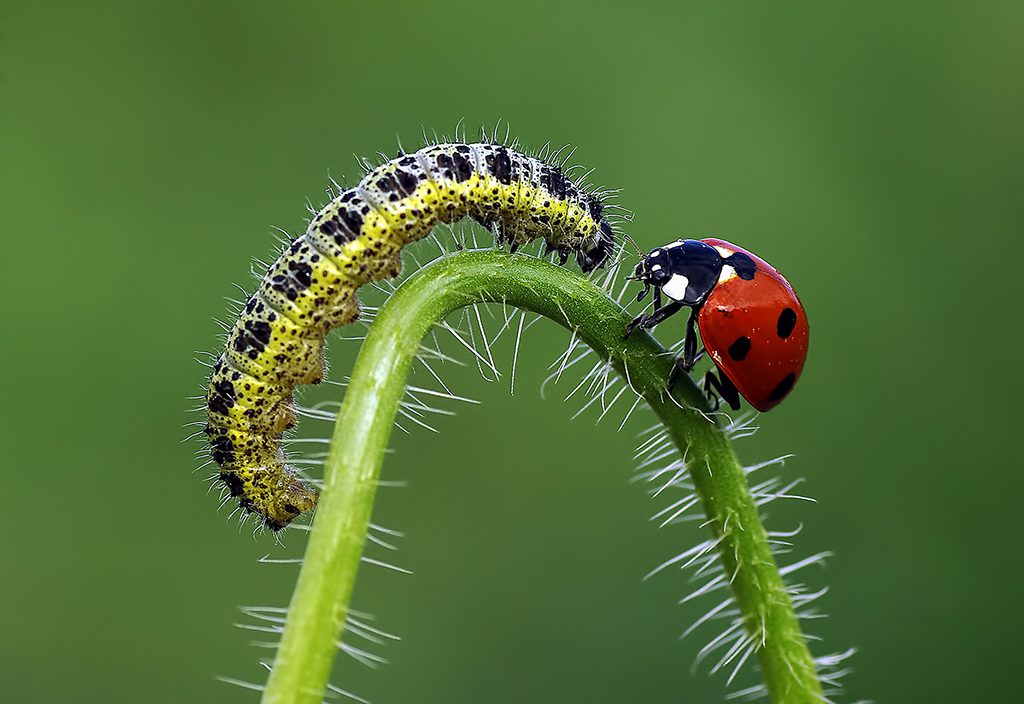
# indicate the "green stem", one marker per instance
pixel 316 615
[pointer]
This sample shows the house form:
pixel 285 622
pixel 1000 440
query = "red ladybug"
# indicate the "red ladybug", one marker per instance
pixel 751 321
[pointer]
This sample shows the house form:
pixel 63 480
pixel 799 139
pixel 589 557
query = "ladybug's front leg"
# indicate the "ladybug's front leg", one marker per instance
pixel 639 320
pixel 659 315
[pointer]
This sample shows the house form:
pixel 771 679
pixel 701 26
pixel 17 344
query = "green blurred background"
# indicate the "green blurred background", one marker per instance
pixel 871 150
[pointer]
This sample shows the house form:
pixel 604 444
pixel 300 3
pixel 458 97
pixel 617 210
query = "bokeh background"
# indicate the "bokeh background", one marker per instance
pixel 871 150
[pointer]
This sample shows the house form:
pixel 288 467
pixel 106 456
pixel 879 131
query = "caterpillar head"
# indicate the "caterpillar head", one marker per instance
pixel 593 258
pixel 291 498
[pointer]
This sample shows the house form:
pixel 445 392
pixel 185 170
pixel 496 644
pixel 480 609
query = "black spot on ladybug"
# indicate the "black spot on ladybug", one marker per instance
pixel 782 388
pixel 744 265
pixel 786 323
pixel 739 349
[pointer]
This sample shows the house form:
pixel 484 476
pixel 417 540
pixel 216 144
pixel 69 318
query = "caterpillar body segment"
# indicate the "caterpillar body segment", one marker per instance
pixel 277 342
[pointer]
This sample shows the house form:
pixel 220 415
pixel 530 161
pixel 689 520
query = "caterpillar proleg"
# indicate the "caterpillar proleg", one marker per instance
pixel 277 341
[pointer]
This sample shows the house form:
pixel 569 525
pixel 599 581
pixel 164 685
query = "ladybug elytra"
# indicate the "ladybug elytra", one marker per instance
pixel 751 322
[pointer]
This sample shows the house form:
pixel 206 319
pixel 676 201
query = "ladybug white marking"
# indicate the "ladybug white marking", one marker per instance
pixel 727 273
pixel 675 288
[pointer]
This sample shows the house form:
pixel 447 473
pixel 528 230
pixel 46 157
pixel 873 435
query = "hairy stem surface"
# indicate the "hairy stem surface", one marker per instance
pixel 316 616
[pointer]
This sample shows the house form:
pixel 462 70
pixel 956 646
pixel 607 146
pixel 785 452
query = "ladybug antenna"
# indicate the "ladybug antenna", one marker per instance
pixel 632 242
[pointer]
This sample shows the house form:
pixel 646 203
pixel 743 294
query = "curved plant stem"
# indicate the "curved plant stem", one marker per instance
pixel 320 602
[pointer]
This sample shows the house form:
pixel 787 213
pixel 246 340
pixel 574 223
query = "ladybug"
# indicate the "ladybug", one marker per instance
pixel 751 322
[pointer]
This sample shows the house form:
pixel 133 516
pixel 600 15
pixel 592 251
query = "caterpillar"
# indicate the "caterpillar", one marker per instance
pixel 277 342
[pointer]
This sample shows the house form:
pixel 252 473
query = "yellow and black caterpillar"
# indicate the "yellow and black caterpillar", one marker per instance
pixel 277 341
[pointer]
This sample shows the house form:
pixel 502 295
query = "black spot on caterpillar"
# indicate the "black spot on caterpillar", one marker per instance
pixel 277 341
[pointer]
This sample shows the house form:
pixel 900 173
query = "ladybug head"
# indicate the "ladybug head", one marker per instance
pixel 654 269
pixel 685 271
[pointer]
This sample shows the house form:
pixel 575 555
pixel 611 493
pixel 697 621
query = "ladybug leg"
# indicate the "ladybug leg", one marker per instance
pixel 690 355
pixel 633 325
pixel 678 369
pixel 658 316
pixel 684 364
pixel 725 388
pixel 639 320
pixel 646 289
